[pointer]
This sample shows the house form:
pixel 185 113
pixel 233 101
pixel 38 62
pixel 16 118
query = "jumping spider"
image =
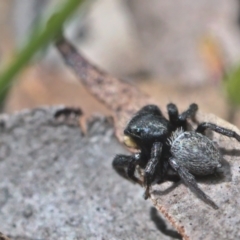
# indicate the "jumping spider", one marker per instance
pixel 167 145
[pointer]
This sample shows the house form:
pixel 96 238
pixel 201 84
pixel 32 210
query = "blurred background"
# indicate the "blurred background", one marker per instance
pixel 176 51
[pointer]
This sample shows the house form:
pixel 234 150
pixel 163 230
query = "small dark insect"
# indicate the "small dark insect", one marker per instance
pixel 167 145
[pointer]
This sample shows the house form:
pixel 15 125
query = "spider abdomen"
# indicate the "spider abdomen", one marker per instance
pixel 195 152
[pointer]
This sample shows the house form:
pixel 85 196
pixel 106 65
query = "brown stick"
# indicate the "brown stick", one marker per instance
pixel 120 97
pixel 3 237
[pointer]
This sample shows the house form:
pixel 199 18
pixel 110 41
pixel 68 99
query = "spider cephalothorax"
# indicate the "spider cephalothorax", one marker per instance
pixel 166 145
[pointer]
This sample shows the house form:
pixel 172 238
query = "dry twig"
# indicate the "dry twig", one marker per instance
pixel 122 98
pixel 3 237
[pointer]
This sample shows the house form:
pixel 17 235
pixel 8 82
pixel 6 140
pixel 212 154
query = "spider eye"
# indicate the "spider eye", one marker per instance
pixel 129 142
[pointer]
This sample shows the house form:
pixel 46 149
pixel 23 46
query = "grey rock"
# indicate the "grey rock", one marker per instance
pixel 59 184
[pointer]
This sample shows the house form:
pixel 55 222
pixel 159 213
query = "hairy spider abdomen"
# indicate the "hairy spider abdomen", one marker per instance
pixel 194 151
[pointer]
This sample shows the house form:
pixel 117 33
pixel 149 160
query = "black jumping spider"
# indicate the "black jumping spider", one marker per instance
pixel 167 145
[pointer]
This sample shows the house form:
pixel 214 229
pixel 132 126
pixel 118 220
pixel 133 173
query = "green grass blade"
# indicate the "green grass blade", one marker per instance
pixel 39 40
pixel 232 86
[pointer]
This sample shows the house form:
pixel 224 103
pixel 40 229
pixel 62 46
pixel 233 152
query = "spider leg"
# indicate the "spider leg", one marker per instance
pixel 180 120
pixel 166 175
pixel 189 113
pixel 190 181
pixel 173 113
pixel 125 166
pixel 151 166
pixel 224 131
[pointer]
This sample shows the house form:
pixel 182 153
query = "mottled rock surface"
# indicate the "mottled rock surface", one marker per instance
pixel 57 183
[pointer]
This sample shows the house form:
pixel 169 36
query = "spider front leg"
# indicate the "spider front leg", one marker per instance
pixel 125 166
pixel 173 113
pixel 181 120
pixel 189 113
pixel 190 181
pixel 150 170
pixel 224 131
